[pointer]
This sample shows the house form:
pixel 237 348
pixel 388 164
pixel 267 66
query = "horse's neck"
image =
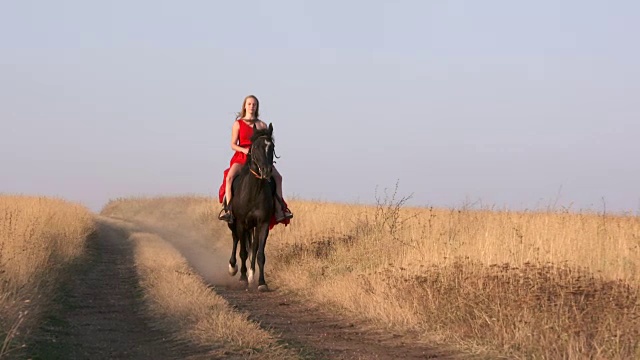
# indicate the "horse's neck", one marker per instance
pixel 252 180
pixel 252 189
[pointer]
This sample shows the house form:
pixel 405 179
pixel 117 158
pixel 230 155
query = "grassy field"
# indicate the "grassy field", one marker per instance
pixel 532 284
pixel 528 284
pixel 39 237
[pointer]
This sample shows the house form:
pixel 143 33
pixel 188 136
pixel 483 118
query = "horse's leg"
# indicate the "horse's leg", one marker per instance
pixel 242 235
pixel 233 267
pixel 254 252
pixel 262 237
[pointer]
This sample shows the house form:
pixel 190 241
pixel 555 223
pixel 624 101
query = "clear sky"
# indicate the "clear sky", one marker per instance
pixel 508 103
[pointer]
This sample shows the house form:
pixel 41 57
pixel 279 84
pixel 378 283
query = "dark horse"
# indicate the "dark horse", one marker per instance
pixel 253 205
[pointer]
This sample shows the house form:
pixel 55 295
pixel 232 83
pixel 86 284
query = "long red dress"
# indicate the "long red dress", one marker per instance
pixel 244 140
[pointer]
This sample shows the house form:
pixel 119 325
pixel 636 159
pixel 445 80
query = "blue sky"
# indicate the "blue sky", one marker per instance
pixel 511 104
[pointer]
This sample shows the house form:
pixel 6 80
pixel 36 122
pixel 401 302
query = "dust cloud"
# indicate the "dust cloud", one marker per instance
pixel 206 248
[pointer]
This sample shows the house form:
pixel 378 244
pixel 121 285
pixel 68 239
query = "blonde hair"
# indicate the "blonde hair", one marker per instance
pixel 243 111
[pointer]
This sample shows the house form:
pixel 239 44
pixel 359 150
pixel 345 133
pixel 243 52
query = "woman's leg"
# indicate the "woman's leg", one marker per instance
pixel 233 171
pixel 280 215
pixel 278 178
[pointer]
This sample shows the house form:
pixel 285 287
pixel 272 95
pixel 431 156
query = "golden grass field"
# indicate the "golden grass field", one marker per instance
pixel 532 284
pixel 38 237
pixel 520 284
pixel 552 285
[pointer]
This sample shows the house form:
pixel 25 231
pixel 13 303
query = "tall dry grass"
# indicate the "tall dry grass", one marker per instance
pixel 530 284
pixel 39 236
pixel 534 284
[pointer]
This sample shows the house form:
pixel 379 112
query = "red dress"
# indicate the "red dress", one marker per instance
pixel 244 140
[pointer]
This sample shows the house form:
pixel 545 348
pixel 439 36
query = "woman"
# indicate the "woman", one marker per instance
pixel 241 142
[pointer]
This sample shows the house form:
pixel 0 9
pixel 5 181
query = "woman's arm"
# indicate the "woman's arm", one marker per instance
pixel 235 131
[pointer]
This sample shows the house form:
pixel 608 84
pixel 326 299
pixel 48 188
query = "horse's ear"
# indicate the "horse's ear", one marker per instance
pixel 254 126
pixel 270 128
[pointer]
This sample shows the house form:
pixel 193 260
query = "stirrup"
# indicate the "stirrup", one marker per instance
pixel 225 215
pixel 286 214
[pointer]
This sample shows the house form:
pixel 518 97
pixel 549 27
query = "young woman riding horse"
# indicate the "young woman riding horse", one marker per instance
pixel 241 133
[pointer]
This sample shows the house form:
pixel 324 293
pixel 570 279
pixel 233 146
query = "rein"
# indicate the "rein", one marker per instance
pixel 255 173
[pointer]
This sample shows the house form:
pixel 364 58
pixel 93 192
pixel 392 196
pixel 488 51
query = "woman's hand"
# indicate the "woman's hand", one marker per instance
pixel 245 151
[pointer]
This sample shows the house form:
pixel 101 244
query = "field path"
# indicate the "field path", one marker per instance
pixel 99 312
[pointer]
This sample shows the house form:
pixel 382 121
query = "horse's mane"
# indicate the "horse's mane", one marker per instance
pixel 261 132
pixel 256 134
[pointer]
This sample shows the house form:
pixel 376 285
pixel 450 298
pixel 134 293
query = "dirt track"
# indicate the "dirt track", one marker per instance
pixel 99 312
pixel 100 316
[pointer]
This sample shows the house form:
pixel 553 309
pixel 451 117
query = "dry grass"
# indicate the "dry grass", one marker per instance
pixel 38 237
pixel 526 284
pixel 180 302
pixel 534 284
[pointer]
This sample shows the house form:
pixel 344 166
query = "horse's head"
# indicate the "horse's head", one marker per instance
pixel 262 152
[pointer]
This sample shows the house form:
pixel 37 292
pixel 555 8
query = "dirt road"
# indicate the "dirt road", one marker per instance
pixel 99 316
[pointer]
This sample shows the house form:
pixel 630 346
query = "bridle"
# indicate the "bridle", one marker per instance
pixel 253 160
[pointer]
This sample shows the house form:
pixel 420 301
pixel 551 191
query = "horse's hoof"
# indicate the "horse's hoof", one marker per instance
pixel 263 288
pixel 233 270
pixel 250 274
